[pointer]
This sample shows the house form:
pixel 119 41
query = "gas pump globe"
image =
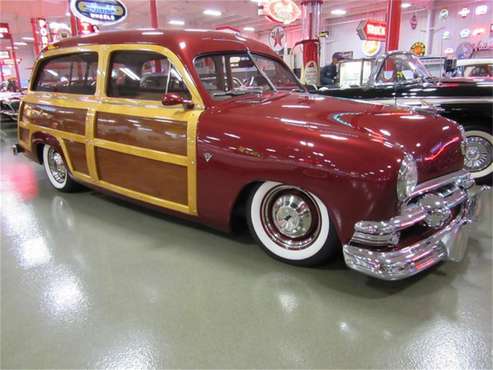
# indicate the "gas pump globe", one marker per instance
pixel 311 9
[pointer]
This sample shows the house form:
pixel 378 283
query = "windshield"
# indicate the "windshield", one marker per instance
pixel 227 75
pixel 402 68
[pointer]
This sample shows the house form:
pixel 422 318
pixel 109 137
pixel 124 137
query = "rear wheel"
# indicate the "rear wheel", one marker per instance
pixel 291 224
pixel 57 170
pixel 479 155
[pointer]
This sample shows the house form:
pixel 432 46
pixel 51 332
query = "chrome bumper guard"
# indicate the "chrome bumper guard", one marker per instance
pixel 430 205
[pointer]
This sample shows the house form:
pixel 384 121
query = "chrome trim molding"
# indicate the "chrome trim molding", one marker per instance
pixel 389 262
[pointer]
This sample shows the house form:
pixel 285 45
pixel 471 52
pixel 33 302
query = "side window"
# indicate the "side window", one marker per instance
pixel 143 75
pixel 72 74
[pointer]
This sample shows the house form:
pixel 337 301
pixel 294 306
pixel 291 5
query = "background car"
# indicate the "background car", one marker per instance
pixel 400 78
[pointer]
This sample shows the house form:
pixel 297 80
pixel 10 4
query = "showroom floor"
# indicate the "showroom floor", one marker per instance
pixel 91 282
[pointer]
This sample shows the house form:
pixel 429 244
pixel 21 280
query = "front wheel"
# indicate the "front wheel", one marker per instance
pixel 478 156
pixel 291 225
pixel 57 171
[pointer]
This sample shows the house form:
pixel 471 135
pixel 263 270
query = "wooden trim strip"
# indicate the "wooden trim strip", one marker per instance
pixel 141 152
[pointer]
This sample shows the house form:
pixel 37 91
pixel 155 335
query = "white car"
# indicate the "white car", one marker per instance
pixel 481 67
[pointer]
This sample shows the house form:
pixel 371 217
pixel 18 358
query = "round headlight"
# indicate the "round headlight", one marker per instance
pixel 407 178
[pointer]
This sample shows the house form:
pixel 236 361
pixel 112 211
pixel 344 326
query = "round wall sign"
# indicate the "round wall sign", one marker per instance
pixel 277 38
pixel 282 11
pixel 443 14
pixel 104 12
pixel 418 48
pixel 371 48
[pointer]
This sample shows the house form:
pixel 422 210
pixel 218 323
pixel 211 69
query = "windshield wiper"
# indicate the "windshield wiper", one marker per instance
pixel 239 92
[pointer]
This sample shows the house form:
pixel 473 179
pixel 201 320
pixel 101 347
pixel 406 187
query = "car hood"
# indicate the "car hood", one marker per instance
pixel 432 140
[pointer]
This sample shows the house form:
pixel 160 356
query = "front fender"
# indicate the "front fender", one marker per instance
pixel 353 175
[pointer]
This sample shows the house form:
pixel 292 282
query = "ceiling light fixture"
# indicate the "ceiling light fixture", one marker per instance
pixel 176 22
pixel 405 5
pixel 248 29
pixel 338 12
pixel 28 38
pixel 214 13
pixel 20 43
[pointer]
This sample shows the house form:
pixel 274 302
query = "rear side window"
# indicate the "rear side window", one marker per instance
pixel 143 75
pixel 72 74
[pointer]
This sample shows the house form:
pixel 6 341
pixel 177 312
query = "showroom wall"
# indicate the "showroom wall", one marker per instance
pixel 342 34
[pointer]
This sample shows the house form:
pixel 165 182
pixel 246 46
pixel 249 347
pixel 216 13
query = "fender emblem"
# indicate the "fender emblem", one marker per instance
pixel 207 156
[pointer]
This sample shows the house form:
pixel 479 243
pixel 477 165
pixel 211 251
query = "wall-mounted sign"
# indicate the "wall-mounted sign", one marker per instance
pixel 464 50
pixel 4 54
pixel 443 14
pixel 86 28
pixel 372 30
pixel 464 12
pixel 478 31
pixel 105 12
pixel 41 33
pixel 413 22
pixel 465 33
pixel 446 35
pixel 481 9
pixel 418 48
pixel 5 31
pixel 281 11
pixel 371 48
pixel 277 38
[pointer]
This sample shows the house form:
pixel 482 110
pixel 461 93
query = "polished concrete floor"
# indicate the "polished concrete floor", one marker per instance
pixel 88 281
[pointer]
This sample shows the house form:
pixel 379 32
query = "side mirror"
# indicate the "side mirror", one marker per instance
pixel 175 99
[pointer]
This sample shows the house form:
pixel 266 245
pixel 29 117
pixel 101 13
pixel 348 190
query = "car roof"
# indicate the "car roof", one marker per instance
pixel 189 42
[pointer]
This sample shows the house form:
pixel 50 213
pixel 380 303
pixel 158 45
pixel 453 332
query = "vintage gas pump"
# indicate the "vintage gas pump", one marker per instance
pixel 310 73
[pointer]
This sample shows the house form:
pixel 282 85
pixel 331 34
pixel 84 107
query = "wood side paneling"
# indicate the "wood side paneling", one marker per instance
pixel 77 155
pixel 59 118
pixel 24 134
pixel 157 133
pixel 162 180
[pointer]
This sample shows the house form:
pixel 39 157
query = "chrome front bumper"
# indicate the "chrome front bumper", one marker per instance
pixel 374 248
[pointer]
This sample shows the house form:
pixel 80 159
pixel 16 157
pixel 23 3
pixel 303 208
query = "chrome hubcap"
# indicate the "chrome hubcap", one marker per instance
pixel 478 154
pixel 290 217
pixel 56 166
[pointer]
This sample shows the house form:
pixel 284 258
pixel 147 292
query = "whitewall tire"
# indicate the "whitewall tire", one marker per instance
pixel 57 170
pixel 291 224
pixel 479 155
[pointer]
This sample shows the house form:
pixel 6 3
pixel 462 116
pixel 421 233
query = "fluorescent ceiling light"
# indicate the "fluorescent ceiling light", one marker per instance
pixel 215 13
pixel 176 22
pixel 20 43
pixel 27 38
pixel 405 5
pixel 248 29
pixel 338 12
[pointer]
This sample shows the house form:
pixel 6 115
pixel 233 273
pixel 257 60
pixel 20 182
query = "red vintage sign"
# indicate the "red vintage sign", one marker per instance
pixel 41 33
pixel 372 30
pixel 5 31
